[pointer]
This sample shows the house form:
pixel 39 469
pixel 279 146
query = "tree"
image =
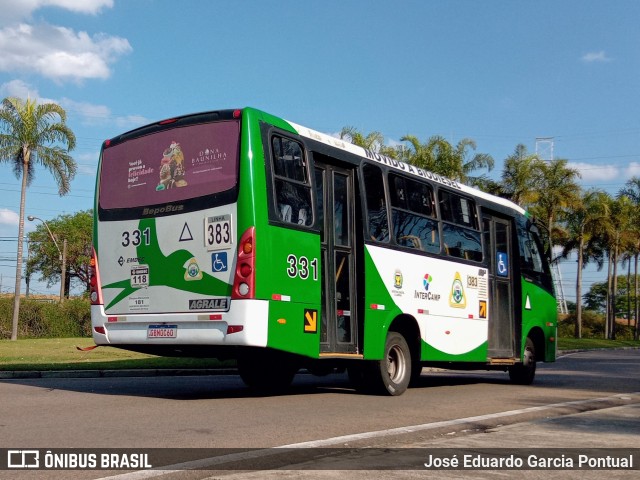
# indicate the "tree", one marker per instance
pixel 618 239
pixel 34 134
pixel 632 191
pixel 584 225
pixel 439 156
pixel 519 176
pixel 373 141
pixel 76 230
pixel 558 192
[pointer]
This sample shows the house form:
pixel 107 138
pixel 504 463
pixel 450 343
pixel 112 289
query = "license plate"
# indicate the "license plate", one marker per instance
pixel 162 331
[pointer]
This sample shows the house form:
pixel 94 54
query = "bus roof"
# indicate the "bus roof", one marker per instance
pixel 402 166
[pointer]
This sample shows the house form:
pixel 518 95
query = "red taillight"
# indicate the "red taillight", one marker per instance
pixel 237 113
pixel 168 121
pixel 100 330
pixel 95 294
pixel 244 283
pixel 245 270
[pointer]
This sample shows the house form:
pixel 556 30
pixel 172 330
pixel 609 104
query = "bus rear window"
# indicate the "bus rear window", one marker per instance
pixel 171 165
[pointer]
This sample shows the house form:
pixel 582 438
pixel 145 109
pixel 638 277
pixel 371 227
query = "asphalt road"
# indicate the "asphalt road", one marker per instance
pixel 599 391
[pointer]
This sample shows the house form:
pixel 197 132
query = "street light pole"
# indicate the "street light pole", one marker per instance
pixel 62 257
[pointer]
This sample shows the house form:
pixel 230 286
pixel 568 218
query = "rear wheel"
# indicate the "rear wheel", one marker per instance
pixel 267 370
pixel 524 373
pixel 391 375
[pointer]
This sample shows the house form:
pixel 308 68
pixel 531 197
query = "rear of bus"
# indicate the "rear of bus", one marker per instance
pixel 171 247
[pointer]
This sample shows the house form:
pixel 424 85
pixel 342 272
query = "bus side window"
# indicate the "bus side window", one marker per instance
pixel 291 182
pixel 412 214
pixel 460 231
pixel 377 218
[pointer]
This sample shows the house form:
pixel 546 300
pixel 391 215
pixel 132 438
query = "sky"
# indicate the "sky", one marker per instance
pixel 501 72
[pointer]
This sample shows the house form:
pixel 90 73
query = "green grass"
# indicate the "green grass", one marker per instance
pixel 592 343
pixel 62 354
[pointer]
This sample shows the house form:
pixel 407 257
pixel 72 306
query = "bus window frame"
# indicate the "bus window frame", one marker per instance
pixel 433 218
pixel 269 132
pixel 475 212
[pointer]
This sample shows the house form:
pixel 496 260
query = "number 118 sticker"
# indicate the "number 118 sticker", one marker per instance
pixel 140 276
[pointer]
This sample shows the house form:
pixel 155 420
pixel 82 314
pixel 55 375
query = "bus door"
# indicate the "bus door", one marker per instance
pixel 335 198
pixel 497 232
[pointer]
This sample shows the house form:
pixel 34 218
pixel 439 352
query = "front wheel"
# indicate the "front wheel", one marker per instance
pixel 391 375
pixel 524 373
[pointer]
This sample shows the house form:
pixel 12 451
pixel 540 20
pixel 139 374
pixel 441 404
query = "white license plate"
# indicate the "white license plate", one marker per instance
pixel 162 331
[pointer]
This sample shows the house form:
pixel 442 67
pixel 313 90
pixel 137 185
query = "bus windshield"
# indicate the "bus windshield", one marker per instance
pixel 170 165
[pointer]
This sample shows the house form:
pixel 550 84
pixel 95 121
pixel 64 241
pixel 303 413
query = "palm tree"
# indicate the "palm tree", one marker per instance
pixel 558 191
pixel 34 134
pixel 439 156
pixel 632 191
pixel 373 141
pixel 518 175
pixel 619 238
pixel 586 223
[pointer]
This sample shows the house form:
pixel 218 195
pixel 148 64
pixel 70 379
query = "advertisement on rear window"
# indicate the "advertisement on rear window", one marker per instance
pixel 170 166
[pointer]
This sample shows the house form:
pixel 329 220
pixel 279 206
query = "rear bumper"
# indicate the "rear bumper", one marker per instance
pixel 245 324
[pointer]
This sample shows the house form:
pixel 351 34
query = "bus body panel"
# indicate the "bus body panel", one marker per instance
pixel 292 265
pixel 248 319
pixel 171 269
pixel 539 310
pixel 449 301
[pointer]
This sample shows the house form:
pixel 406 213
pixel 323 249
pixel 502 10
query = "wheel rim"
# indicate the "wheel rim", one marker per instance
pixel 528 358
pixel 396 364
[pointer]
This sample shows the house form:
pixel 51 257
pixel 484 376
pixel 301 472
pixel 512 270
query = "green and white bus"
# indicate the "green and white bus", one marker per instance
pixel 235 234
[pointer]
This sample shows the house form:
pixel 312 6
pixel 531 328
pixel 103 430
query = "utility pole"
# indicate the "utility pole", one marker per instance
pixel 63 274
pixel 544 151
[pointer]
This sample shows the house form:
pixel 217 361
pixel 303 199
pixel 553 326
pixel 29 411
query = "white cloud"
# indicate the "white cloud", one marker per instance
pixel 89 113
pixel 592 57
pixel 632 170
pixel 58 53
pixel 17 10
pixel 8 217
pixel 92 114
pixel 595 173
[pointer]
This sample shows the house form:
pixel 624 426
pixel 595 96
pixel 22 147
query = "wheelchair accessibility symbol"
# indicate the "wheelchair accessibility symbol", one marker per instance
pixel 219 262
pixel 502 264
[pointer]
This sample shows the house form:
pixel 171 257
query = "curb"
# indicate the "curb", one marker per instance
pixel 158 372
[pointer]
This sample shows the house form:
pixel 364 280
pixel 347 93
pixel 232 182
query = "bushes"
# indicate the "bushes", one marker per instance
pixel 592 326
pixel 42 319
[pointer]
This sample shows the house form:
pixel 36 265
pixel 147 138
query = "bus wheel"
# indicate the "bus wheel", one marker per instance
pixel 524 373
pixel 392 374
pixel 267 371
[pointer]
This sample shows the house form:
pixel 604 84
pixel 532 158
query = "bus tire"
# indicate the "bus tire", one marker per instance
pixel 525 372
pixel 267 371
pixel 392 374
